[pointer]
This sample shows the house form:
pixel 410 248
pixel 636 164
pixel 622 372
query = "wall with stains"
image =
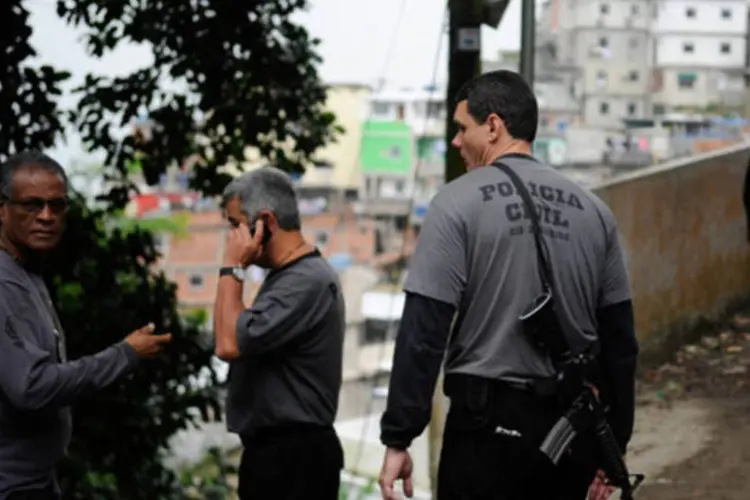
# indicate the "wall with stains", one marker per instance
pixel 685 235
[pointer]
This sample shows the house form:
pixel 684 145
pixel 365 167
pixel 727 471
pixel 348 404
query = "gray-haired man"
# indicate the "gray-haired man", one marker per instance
pixel 285 351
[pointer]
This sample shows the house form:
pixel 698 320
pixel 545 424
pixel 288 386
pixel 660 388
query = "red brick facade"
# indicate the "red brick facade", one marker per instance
pixel 192 262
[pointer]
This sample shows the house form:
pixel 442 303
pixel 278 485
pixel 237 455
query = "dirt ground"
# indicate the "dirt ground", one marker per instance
pixel 693 431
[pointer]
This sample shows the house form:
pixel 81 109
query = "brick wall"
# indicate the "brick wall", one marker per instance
pixel 193 261
pixel 685 235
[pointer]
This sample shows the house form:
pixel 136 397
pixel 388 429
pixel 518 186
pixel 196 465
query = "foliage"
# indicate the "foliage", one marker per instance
pixel 104 288
pixel 120 434
pixel 356 492
pixel 247 75
pixel 175 225
pixel 29 117
pixel 208 480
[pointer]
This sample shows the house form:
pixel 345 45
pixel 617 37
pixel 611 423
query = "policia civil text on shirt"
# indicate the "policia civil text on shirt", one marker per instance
pixel 38 383
pixel 474 272
pixel 285 350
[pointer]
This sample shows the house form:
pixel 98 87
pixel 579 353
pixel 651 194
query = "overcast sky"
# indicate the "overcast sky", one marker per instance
pixel 356 37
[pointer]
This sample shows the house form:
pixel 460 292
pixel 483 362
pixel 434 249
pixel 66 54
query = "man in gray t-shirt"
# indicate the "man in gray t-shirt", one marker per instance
pixel 473 273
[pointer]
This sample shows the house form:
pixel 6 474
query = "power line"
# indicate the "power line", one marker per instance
pixel 392 44
pixel 402 254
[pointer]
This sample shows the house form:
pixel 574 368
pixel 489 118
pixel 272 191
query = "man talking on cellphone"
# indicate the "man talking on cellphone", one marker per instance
pixel 285 350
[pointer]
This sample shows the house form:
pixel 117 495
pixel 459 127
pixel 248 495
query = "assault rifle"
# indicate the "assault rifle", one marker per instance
pixel 575 371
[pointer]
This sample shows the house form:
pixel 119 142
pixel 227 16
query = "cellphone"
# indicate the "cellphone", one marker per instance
pixel 266 231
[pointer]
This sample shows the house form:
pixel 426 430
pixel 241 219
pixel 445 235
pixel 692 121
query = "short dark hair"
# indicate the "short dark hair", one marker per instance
pixel 26 159
pixel 506 94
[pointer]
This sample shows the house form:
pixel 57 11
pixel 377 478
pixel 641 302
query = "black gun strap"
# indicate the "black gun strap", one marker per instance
pixel 544 269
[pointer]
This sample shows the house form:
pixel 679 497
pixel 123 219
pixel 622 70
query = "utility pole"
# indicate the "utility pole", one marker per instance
pixel 528 40
pixel 464 63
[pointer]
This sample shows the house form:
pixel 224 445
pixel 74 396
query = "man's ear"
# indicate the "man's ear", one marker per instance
pixel 269 219
pixel 496 126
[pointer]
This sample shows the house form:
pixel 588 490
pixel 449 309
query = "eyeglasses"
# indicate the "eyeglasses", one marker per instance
pixel 36 205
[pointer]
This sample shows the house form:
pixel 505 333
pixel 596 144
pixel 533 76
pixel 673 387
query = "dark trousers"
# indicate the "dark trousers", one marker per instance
pixel 490 450
pixel 291 464
pixel 48 493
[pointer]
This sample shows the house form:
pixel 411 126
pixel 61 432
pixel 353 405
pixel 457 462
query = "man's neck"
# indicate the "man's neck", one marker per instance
pixel 12 249
pixel 29 260
pixel 514 147
pixel 289 246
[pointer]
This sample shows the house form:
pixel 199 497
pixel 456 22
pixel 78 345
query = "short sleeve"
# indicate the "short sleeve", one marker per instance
pixel 438 267
pixel 615 284
pixel 282 312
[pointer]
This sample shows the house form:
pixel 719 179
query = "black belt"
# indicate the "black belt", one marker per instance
pixel 460 386
pixel 260 435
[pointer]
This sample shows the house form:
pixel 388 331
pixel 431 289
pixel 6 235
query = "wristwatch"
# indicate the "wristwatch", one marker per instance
pixel 236 272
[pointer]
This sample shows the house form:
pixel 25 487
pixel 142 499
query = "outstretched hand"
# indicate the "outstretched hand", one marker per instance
pixel 145 343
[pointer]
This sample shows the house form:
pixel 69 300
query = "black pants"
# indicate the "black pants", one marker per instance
pixel 490 451
pixel 48 493
pixel 291 464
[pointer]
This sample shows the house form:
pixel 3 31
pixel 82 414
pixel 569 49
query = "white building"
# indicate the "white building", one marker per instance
pixel 422 109
pixel 609 44
pixel 636 58
pixel 701 53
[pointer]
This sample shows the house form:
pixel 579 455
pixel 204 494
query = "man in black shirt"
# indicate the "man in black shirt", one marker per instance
pixel 285 351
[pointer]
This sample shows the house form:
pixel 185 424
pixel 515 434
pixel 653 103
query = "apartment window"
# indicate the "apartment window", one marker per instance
pixel 160 241
pixel 604 42
pixel 394 152
pixel 635 9
pixel 633 76
pixel 400 112
pixel 601 79
pixel 435 109
pixel 321 238
pixel 690 12
pixel 381 108
pixel 688 47
pixel 632 108
pixel 604 8
pixel 686 80
pixel 196 281
pixel 726 48
pixel 604 108
pixel 400 186
pixel 726 13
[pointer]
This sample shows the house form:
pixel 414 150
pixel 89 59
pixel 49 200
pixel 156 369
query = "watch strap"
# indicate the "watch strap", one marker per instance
pixel 228 271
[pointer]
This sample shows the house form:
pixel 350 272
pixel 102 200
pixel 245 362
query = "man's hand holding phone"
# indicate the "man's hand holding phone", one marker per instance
pixel 145 343
pixel 242 249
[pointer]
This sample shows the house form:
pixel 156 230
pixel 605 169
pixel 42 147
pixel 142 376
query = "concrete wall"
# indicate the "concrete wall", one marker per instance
pixel 685 236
